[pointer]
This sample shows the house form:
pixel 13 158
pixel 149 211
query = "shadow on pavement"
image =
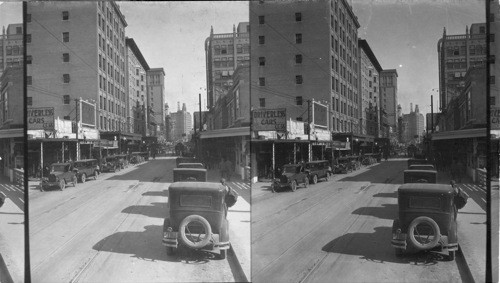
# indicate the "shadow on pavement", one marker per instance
pixel 381 174
pixel 376 247
pixel 141 172
pixel 387 195
pixel 387 211
pixel 157 210
pixel 163 193
pixel 147 245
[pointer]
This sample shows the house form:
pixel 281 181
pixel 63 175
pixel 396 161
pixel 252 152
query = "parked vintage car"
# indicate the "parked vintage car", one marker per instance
pixel 197 218
pixel 110 164
pixel 86 168
pixel 180 160
pixel 419 176
pixel 317 170
pixel 190 165
pixel 413 161
pixel 190 174
pixel 123 160
pixel 291 176
pixel 422 167
pixel 60 175
pixel 427 218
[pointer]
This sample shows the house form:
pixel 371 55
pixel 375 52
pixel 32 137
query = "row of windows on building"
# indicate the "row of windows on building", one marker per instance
pixel 64 16
pixel 113 56
pixel 461 50
pixel 229 49
pixel 113 73
pixel 110 124
pixel 111 106
pixel 13 50
pixel 111 18
pixel 112 89
pixel 11 62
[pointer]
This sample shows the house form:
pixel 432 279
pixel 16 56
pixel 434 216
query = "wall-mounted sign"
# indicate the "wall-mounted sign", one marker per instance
pixel 88 114
pixel 320 114
pixel 495 118
pixel 269 119
pixel 41 118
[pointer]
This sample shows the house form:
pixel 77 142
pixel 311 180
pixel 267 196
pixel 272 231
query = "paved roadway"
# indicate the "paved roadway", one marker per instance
pixel 338 231
pixel 12 233
pixel 110 230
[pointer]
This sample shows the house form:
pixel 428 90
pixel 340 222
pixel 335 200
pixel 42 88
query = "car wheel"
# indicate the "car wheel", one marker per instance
pixel 306 181
pixel 83 178
pixel 171 251
pixel 424 233
pixel 315 179
pixel 62 184
pixel 451 255
pixel 293 186
pixel 398 252
pixel 74 180
pixel 222 254
pixel 195 240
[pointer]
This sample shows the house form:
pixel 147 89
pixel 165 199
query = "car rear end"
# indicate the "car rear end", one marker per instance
pixel 419 176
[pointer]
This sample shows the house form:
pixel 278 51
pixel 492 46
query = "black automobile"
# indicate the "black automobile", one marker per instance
pixel 86 168
pixel 291 176
pixel 317 170
pixel 60 175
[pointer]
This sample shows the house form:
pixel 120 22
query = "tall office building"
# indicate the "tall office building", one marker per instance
pixel 78 51
pixel 414 125
pixel 369 79
pixel 456 53
pixel 223 54
pixel 137 89
pixel 156 101
pixel 11 46
pixel 494 25
pixel 303 51
pixel 388 98
pixel 182 123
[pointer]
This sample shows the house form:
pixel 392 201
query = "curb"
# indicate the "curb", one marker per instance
pixel 234 264
pixel 4 272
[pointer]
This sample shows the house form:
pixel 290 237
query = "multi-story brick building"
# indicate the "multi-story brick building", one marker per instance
pixel 388 99
pixel 137 89
pixel 11 46
pixel 298 56
pixel 156 100
pixel 369 79
pixel 182 123
pixel 456 53
pixel 224 53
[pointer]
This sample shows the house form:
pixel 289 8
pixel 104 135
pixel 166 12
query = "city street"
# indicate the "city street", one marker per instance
pixel 110 230
pixel 12 233
pixel 341 230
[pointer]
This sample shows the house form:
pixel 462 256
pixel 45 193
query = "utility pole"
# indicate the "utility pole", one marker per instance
pixel 432 114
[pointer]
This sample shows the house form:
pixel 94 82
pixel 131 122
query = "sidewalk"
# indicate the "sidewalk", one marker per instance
pixel 471 222
pixel 239 225
pixel 11 242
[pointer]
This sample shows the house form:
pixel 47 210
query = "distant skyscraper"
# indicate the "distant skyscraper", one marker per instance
pixel 389 96
pixel 156 99
pixel 414 125
pixel 182 123
pixel 11 47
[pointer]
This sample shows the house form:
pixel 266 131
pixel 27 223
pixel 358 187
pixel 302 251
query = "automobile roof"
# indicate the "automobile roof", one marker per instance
pixel 317 161
pixel 195 186
pixel 426 188
pixel 420 171
pixel 190 169
pixel 84 160
pixel 65 163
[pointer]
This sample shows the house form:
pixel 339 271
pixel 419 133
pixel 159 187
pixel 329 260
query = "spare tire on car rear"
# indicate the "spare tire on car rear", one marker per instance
pixel 435 231
pixel 194 244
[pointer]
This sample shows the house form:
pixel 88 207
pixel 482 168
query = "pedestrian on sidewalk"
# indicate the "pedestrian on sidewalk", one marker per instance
pixel 231 196
pixel 229 169
pixel 222 168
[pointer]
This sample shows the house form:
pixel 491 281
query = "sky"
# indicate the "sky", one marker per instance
pixel 403 36
pixel 171 35
pixel 10 13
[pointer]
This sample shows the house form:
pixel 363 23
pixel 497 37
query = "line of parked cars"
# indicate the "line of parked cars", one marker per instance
pixel 62 174
pixel 294 175
pixel 427 212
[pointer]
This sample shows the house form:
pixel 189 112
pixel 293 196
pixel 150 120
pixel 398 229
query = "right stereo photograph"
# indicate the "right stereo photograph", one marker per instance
pixel 374 149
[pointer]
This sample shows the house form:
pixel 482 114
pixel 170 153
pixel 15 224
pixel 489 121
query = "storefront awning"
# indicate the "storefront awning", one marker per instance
pixel 460 134
pixel 11 133
pixel 223 133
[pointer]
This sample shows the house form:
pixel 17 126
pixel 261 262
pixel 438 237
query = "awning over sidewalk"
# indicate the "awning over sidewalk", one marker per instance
pixel 229 132
pixel 11 133
pixel 460 134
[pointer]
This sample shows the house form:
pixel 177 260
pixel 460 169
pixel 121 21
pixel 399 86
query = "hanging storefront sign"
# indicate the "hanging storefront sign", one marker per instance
pixel 320 114
pixel 41 118
pixel 88 113
pixel 269 120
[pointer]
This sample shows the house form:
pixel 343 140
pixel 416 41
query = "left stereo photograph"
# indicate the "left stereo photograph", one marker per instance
pixel 12 145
